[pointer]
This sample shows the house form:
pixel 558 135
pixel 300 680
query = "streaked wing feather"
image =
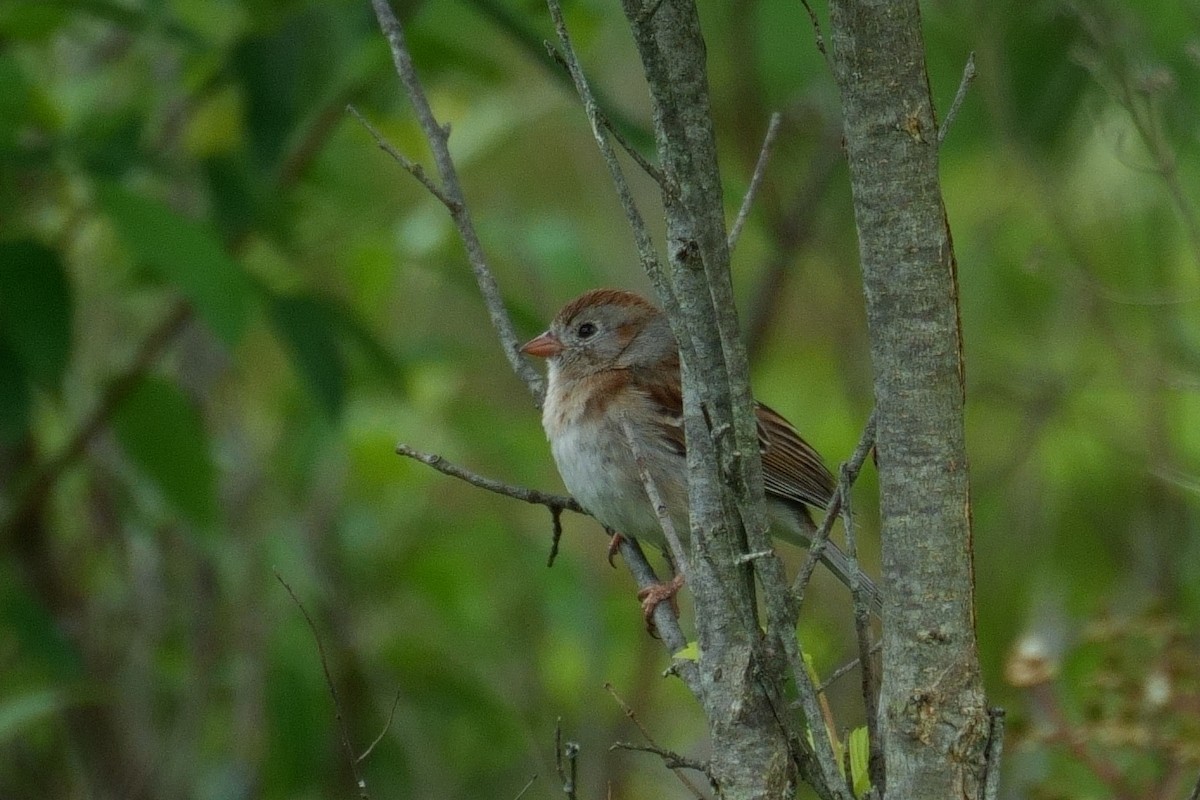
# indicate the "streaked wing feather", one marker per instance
pixel 792 469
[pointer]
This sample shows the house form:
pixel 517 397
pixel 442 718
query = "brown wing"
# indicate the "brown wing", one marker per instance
pixel 792 469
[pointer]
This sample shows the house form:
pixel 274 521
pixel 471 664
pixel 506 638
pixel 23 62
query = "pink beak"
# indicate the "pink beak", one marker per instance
pixel 544 346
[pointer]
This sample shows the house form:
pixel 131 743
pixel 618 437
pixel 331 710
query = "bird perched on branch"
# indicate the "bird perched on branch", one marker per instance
pixel 613 366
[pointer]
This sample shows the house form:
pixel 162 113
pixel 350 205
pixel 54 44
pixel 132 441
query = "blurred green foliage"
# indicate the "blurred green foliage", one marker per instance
pixel 221 305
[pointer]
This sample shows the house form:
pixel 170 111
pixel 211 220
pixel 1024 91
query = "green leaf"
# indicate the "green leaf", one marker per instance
pixel 860 757
pixel 18 713
pixel 35 309
pixel 307 325
pixel 163 434
pixel 14 396
pixel 185 253
pixel 690 652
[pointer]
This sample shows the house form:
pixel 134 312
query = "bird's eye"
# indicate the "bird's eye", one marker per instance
pixel 585 330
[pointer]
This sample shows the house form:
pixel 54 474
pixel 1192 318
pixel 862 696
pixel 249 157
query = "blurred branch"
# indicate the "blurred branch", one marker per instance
pixel 156 341
pixel 386 727
pixel 525 788
pixel 968 77
pixel 791 230
pixel 818 36
pixel 359 783
pixel 438 137
pixel 760 169
pixel 847 476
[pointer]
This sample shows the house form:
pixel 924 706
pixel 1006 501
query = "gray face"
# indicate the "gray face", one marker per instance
pixel 613 336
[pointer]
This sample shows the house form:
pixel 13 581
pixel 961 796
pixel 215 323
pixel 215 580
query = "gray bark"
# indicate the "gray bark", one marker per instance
pixel 742 693
pixel 934 720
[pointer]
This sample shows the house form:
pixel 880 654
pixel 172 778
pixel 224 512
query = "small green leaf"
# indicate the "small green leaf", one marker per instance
pixel 35 309
pixel 164 435
pixel 185 253
pixel 860 759
pixel 307 325
pixel 690 652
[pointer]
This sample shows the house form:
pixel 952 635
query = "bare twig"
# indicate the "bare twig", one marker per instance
pixel 569 753
pixel 533 496
pixel 854 465
pixel 359 783
pixel 672 760
pixel 656 500
pixel 654 172
pixel 525 788
pixel 386 727
pixel 1195 795
pixel 995 750
pixel 641 234
pixel 968 76
pixel 760 169
pixel 844 669
pixel 438 137
pixel 412 167
pixel 818 36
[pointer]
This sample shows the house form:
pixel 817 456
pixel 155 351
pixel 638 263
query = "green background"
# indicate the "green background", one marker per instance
pixel 221 306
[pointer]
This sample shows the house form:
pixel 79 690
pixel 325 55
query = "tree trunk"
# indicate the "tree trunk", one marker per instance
pixel 934 720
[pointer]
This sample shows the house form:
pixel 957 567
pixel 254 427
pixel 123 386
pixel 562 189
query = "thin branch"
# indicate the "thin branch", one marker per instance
pixel 412 167
pixel 654 172
pixel 359 783
pixel 854 466
pixel 818 36
pixel 525 789
pixel 678 553
pixel 862 630
pixel 995 750
pixel 672 760
pixel 556 527
pixel 968 77
pixel 568 752
pixel 386 727
pixel 532 496
pixel 1195 795
pixel 438 137
pixel 844 669
pixel 760 169
pixel 641 234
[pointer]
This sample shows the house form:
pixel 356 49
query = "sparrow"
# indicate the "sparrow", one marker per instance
pixel 611 355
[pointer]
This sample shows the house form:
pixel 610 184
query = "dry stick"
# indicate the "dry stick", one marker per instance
pixel 413 168
pixel 760 169
pixel 359 783
pixel 995 750
pixel 818 36
pixel 968 76
pixel 854 466
pixel 438 137
pixel 532 496
pixel 1195 795
pixel 673 761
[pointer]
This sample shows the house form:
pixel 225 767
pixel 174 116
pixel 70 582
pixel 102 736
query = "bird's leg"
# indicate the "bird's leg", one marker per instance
pixel 651 596
pixel 614 544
